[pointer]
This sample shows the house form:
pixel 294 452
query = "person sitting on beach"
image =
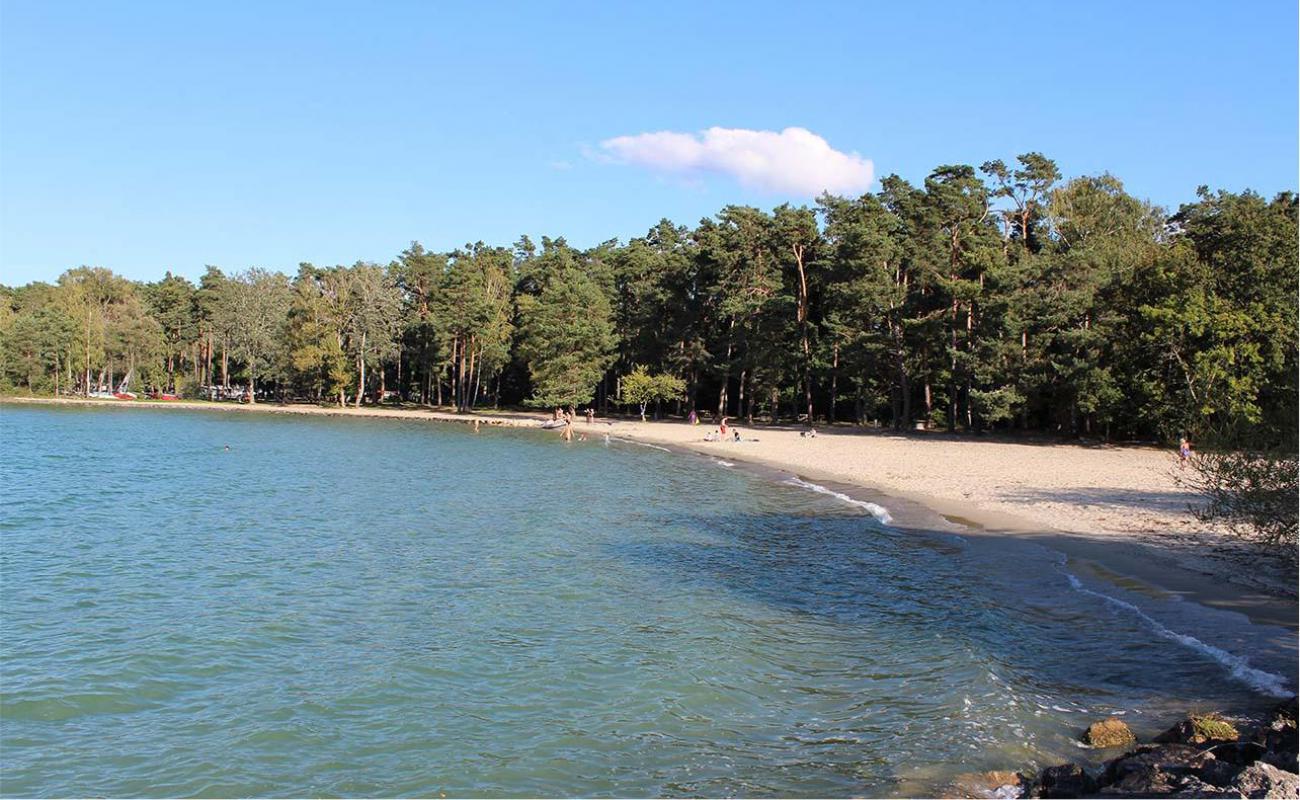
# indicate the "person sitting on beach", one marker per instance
pixel 735 436
pixel 811 433
pixel 711 436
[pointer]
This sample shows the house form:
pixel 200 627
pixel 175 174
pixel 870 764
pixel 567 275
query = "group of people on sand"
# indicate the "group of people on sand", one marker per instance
pixel 720 435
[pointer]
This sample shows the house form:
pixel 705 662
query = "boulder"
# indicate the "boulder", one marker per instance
pixel 1110 732
pixel 1154 769
pixel 1199 729
pixel 1065 780
pixel 1239 753
pixel 1218 772
pixel 1266 780
pixel 1278 737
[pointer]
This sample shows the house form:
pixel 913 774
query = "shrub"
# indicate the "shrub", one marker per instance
pixel 1253 493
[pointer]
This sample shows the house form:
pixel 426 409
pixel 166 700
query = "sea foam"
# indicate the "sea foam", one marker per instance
pixel 644 444
pixel 1237 666
pixel 879 512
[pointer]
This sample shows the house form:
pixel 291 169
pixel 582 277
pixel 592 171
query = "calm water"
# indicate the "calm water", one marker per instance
pixel 374 607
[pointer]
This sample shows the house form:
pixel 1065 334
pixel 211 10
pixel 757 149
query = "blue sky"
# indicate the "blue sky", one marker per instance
pixel 152 136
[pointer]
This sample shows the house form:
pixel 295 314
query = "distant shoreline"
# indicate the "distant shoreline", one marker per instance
pixel 1129 530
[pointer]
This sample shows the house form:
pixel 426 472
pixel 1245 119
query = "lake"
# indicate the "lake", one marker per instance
pixel 390 608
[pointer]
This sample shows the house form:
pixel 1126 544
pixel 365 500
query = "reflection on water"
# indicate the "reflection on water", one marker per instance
pixel 374 607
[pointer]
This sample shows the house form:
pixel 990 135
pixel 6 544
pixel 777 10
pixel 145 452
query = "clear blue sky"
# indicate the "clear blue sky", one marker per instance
pixel 153 136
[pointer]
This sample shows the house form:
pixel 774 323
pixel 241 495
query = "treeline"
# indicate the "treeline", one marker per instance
pixel 983 299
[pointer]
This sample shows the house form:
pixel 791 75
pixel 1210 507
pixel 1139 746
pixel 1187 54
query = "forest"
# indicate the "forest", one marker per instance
pixel 998 298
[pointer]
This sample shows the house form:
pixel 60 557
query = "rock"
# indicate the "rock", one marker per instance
pixel 1218 772
pixel 995 784
pixel 1154 769
pixel 1278 737
pixel 1110 732
pixel 1266 780
pixel 1066 780
pixel 1284 714
pixel 1194 787
pixel 1240 753
pixel 1199 729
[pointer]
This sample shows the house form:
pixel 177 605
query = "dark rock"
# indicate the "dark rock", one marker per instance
pixel 1173 758
pixel 1065 780
pixel 1278 737
pixel 1239 754
pixel 1265 780
pixel 1110 732
pixel 1218 773
pixel 1154 769
pixel 1199 729
pixel 1284 714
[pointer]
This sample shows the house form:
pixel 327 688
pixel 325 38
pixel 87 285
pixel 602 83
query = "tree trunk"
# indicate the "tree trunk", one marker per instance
pixel 802 317
pixel 835 379
pixel 361 370
pixel 88 352
pixel 726 371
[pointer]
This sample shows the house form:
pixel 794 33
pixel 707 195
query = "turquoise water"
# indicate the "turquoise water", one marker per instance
pixel 379 607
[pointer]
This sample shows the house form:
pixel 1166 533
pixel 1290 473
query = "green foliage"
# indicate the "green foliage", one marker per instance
pixel 1252 493
pixel 567 338
pixel 998 298
pixel 641 388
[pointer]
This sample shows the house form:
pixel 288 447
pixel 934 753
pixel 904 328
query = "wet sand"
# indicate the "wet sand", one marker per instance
pixel 1117 512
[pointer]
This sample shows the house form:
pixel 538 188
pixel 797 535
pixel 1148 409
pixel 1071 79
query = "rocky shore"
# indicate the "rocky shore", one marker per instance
pixel 1203 755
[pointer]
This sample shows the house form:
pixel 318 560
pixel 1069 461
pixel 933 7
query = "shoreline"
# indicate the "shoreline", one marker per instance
pixel 1201 566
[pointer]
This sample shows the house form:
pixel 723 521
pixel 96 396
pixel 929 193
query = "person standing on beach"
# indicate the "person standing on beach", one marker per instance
pixel 723 428
pixel 591 415
pixel 1184 451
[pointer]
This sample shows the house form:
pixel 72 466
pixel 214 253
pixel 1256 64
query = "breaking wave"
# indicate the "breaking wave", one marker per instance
pixel 1237 666
pixel 879 512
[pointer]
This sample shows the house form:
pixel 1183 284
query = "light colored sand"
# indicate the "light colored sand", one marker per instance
pixel 1097 490
pixel 1119 508
pixel 1127 496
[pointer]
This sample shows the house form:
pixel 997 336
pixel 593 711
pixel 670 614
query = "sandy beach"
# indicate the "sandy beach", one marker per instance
pixel 1117 508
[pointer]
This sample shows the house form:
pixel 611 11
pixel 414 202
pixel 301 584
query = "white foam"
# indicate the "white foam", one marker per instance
pixel 879 512
pixel 644 444
pixel 722 463
pixel 1238 666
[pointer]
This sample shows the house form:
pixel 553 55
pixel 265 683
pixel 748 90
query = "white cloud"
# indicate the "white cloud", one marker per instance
pixel 794 161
